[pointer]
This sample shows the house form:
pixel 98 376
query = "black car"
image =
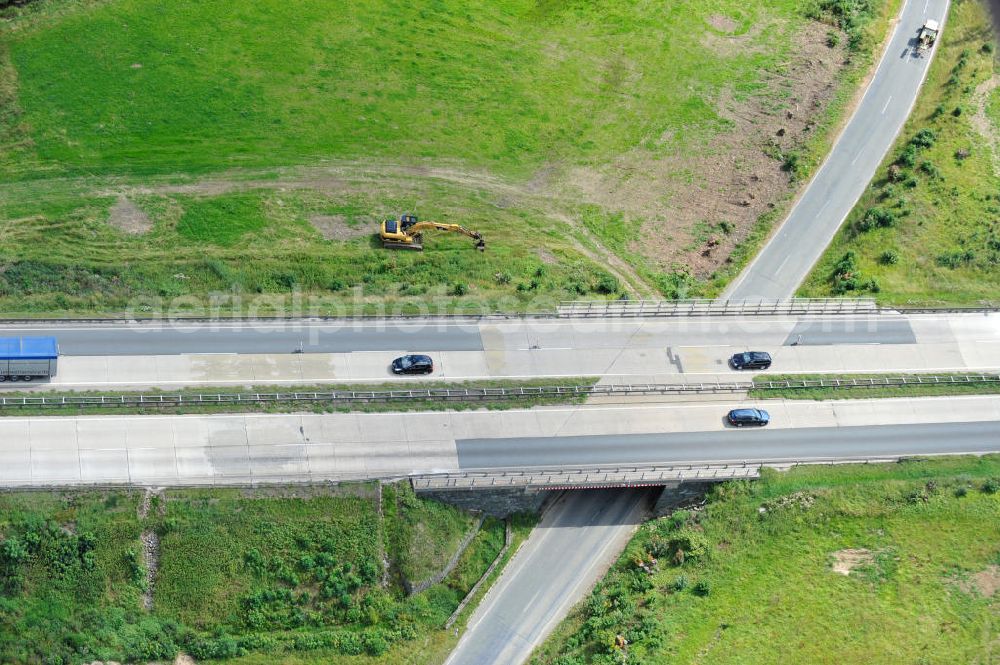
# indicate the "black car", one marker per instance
pixel 741 417
pixel 751 360
pixel 413 364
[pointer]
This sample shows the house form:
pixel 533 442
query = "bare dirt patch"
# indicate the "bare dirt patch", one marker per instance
pixel 844 561
pixel 722 23
pixel 335 227
pixel 986 582
pixel 699 203
pixel 981 122
pixel 128 217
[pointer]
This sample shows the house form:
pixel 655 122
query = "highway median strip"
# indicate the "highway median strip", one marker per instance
pixel 425 396
pixel 459 396
pixel 862 386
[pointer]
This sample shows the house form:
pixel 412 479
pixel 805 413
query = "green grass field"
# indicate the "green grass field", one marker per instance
pixel 750 577
pixel 230 130
pixel 295 573
pixel 925 232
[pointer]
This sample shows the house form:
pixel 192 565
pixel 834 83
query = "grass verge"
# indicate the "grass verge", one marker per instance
pixel 925 231
pixel 869 391
pixel 889 563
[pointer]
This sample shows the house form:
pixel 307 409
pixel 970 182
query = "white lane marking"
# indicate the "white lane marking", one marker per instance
pixel 857 156
pixel 544 348
pixel 778 271
pixel 926 5
pixel 886 104
pixel 823 208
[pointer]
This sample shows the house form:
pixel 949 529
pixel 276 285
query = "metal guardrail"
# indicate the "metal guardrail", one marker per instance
pixel 138 400
pixel 565 309
pixel 707 307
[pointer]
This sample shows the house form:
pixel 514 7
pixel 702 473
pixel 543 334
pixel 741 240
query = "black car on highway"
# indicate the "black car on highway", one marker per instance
pixel 753 417
pixel 412 364
pixel 751 360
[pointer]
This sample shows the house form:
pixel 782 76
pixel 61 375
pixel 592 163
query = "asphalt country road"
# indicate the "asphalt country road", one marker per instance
pixel 791 253
pixel 576 541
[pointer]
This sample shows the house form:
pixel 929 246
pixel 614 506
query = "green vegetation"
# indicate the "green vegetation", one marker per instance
pixel 255 574
pixel 197 155
pixel 891 563
pixel 196 86
pixel 416 555
pixel 285 406
pixel 869 391
pixel 925 232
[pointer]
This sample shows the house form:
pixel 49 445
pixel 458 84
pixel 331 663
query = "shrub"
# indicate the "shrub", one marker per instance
pixel 938 111
pixel 680 583
pixel 607 285
pixel 908 157
pixel 991 486
pixel 931 170
pixel 889 257
pixel 876 218
pixel 459 289
pixel 957 111
pixel 961 491
pixel 701 588
pixel 832 39
pixel 956 259
pixel 790 163
pixel 684 545
pixel 502 278
pixel 923 139
pixel 872 285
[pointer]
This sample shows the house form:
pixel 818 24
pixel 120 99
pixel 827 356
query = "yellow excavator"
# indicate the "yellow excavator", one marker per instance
pixel 407 233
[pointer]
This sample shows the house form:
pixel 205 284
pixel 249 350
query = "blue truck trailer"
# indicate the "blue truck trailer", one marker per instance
pixel 27 358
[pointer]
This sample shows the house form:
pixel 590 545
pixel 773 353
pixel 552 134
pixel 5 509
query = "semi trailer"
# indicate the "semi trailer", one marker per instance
pixel 27 358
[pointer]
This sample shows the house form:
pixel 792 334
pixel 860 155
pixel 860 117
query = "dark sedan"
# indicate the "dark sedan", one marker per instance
pixel 413 364
pixel 753 417
pixel 751 360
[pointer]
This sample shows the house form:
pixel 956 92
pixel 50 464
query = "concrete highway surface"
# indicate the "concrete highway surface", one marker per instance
pixel 793 251
pixel 614 350
pixel 575 543
pixel 220 449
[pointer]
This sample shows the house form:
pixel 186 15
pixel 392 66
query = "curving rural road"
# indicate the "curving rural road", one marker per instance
pixel 800 241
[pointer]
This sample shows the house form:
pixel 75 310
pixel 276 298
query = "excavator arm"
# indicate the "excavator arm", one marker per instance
pixel 406 234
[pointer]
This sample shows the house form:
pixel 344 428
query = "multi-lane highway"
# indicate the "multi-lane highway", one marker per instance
pixel 799 242
pixel 614 350
pixel 219 449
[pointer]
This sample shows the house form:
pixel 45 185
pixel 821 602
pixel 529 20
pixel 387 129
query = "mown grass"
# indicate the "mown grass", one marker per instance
pixel 870 391
pixel 757 586
pixel 268 573
pixel 98 98
pixel 248 250
pixel 140 87
pixel 925 231
pixel 286 406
